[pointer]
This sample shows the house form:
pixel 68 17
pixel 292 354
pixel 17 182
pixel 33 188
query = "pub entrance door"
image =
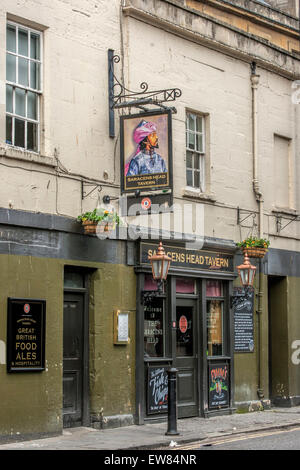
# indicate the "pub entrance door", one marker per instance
pixel 74 376
pixel 186 357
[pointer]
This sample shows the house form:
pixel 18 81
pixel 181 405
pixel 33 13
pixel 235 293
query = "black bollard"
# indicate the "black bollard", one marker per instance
pixel 172 403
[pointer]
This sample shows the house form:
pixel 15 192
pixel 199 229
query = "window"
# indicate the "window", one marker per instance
pixel 215 308
pixel 23 86
pixel 154 328
pixel 195 150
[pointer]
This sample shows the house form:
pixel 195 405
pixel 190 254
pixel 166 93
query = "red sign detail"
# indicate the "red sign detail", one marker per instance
pixel 26 308
pixel 183 324
pixel 146 203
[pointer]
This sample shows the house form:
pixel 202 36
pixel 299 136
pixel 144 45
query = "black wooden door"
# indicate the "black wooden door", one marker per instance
pixel 186 358
pixel 73 349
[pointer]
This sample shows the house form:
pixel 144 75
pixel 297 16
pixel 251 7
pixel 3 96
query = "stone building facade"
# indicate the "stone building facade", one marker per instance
pixel 235 172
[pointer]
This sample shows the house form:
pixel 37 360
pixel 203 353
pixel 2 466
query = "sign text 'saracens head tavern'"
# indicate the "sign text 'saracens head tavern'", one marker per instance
pixel 194 259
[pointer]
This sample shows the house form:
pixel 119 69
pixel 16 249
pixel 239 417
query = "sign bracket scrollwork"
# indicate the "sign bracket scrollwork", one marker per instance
pixel 121 97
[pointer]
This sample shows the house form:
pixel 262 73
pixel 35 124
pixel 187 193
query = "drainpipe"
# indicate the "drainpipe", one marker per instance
pixel 259 199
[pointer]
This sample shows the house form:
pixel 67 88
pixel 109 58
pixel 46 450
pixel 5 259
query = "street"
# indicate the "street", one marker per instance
pixel 268 440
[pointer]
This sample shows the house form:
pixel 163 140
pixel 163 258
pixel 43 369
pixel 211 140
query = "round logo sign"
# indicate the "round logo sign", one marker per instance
pixel 26 308
pixel 183 324
pixel 146 203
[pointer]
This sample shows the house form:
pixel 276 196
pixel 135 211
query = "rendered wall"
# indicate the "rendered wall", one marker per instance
pixel 32 402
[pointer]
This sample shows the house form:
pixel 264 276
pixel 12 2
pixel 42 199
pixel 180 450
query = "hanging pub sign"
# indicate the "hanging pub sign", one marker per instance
pixel 146 151
pixel 26 335
pixel 218 385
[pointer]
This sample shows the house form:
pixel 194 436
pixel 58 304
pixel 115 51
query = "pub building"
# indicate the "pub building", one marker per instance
pixel 187 325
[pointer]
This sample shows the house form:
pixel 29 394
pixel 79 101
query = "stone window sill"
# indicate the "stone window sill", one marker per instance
pixel 196 194
pixel 26 156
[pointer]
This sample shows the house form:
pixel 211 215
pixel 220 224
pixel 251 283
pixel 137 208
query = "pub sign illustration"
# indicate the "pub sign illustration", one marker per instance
pixel 26 335
pixel 146 151
pixel 218 385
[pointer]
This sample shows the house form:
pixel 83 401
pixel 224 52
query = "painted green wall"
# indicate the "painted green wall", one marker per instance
pixel 112 367
pixel 271 364
pixel 31 403
pixel 294 335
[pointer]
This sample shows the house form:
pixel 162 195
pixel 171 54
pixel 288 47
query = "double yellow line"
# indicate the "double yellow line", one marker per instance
pixel 219 441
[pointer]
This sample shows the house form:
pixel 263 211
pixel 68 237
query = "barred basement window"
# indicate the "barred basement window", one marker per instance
pixel 23 86
pixel 195 150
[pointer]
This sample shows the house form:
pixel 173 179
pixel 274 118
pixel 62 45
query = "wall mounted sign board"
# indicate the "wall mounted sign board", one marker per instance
pixel 26 320
pixel 146 151
pixel 188 258
pixel 244 324
pixel 121 327
pixel 142 205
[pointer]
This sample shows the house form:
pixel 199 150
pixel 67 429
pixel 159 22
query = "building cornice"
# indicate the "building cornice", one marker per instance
pixel 213 33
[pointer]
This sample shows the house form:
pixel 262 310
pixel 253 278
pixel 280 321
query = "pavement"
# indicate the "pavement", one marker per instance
pixel 152 435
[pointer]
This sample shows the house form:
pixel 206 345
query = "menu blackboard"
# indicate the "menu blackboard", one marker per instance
pixel 218 385
pixel 243 323
pixel 157 390
pixel 26 335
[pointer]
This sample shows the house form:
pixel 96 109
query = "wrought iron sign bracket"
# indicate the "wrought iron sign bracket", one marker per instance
pixel 121 97
pixel 241 212
pixel 84 194
pixel 279 226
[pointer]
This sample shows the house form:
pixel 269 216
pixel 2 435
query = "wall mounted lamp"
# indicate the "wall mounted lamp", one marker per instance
pixel 160 264
pixel 246 274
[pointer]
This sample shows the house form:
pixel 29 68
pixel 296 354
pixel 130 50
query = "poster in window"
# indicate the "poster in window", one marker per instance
pixel 26 335
pixel 218 385
pixel 157 390
pixel 146 151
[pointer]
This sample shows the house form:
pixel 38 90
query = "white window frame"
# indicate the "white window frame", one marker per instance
pixel 37 91
pixel 197 153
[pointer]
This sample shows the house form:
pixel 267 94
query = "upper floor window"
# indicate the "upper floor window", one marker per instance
pixel 195 150
pixel 23 86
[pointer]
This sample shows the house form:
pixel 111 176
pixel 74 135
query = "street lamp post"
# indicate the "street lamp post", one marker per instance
pixel 160 263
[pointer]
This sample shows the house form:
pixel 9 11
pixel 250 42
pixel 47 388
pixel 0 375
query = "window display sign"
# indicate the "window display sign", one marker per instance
pixel 154 329
pixel 26 335
pixel 157 392
pixel 218 385
pixel 146 153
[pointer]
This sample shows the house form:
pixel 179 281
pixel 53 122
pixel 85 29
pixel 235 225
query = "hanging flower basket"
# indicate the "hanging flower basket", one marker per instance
pixel 104 226
pixel 255 252
pixel 99 221
pixel 89 226
pixel 255 247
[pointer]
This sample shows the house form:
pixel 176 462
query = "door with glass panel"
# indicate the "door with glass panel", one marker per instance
pixel 186 357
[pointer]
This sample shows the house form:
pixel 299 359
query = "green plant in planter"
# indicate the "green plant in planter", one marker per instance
pixel 99 215
pixel 253 242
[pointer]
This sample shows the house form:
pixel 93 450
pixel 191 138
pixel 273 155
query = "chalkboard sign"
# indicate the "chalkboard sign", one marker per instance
pixel 243 323
pixel 26 335
pixel 157 390
pixel 218 385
